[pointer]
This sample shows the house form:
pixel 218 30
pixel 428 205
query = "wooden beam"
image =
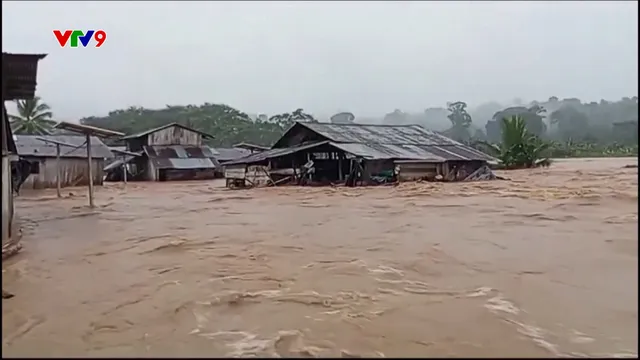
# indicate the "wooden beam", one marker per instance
pixel 58 170
pixel 90 170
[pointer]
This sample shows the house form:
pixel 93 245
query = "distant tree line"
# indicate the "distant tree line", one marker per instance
pixel 566 121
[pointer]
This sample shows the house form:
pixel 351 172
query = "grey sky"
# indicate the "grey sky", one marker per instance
pixel 365 57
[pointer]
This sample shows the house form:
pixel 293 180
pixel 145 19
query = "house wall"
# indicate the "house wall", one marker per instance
pixel 174 135
pixel 257 174
pixel 373 167
pixel 235 171
pixel 459 170
pixel 7 200
pixel 418 170
pixel 73 172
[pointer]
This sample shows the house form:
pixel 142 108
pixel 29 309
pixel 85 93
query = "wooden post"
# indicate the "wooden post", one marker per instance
pixel 124 168
pixel 90 171
pixel 58 170
pixel 340 176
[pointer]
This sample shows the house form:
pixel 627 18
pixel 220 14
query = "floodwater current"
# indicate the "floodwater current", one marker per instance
pixel 545 264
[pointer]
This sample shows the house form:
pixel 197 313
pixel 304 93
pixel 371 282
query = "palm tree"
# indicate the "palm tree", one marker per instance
pixel 34 118
pixel 519 148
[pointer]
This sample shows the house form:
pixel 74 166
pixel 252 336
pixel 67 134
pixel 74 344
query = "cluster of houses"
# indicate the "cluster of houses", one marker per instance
pixel 307 153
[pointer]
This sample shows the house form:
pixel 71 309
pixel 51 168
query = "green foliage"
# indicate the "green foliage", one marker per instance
pixel 572 149
pixel 287 119
pixel 519 147
pixel 228 125
pixel 33 118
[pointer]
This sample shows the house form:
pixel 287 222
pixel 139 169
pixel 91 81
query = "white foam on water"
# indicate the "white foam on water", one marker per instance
pixel 500 304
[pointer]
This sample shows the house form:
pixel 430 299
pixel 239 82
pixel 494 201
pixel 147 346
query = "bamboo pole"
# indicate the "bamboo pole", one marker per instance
pixel 58 170
pixel 90 171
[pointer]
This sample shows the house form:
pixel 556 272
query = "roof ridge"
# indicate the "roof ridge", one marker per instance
pixel 361 124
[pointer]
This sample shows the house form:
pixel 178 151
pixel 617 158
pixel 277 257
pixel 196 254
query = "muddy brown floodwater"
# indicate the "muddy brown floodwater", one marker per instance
pixel 543 265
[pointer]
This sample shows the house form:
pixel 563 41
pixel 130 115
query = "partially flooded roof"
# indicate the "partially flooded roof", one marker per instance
pixel 400 142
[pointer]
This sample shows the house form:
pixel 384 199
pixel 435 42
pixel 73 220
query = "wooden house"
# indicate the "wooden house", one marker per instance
pixel 171 152
pixel 72 165
pixel 366 152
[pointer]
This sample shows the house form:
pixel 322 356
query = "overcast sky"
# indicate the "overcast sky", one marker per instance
pixel 364 57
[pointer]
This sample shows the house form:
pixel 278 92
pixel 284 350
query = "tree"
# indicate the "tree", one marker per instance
pixel 572 124
pixel 460 121
pixel 397 117
pixel 287 119
pixel 34 118
pixel 343 118
pixel 519 147
pixel 228 125
pixel 532 116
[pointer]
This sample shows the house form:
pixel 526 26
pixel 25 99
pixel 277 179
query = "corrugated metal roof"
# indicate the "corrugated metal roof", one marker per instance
pixel 227 154
pixel 19 72
pixel 181 157
pixel 409 142
pixel 150 131
pixel 413 152
pixel 183 164
pixel 379 134
pixel 274 153
pixel 179 151
pixel 29 145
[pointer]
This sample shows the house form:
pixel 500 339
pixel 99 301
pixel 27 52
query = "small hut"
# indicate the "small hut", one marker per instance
pixel 42 154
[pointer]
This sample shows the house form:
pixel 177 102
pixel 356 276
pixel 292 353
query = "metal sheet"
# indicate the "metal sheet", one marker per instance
pixel 183 164
pixel 379 134
pixel 412 152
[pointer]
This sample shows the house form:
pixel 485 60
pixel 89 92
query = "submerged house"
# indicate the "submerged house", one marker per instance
pixel 330 153
pixel 72 166
pixel 171 152
pixel 19 72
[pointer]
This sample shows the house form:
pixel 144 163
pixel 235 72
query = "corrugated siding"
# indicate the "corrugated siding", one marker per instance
pixel 73 172
pixel 183 164
pixel 175 135
pixel 380 134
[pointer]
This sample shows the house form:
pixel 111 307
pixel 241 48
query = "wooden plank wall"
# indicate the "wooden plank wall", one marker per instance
pixel 73 172
pixel 418 170
pixel 257 174
pixel 175 135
